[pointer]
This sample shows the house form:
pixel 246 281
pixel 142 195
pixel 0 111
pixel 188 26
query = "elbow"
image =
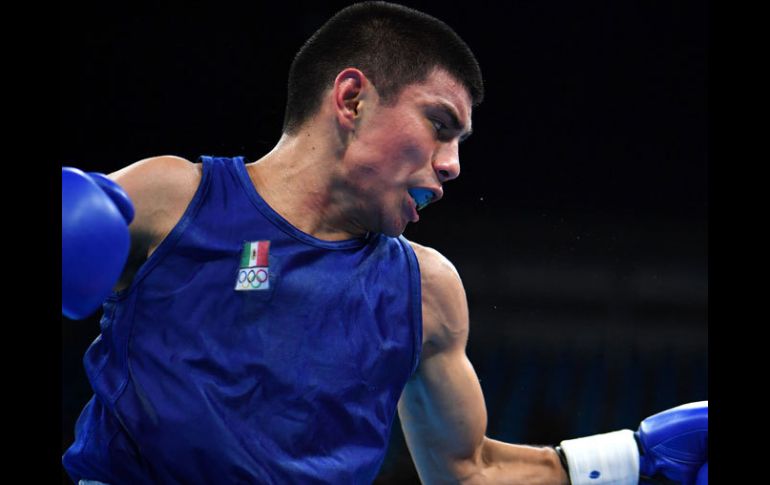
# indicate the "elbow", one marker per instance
pixel 470 469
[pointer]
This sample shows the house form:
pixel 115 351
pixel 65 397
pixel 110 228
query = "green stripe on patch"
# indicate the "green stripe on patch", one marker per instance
pixel 246 255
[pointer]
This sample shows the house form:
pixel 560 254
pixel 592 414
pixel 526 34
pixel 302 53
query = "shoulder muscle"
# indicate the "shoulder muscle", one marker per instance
pixel 444 304
pixel 161 188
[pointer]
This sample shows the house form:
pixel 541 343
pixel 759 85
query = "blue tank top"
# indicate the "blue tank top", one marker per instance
pixel 247 351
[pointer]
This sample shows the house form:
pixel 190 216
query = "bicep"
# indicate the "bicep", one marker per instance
pixel 443 414
pixel 442 408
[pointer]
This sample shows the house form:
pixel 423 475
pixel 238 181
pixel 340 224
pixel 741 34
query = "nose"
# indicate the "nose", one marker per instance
pixel 447 162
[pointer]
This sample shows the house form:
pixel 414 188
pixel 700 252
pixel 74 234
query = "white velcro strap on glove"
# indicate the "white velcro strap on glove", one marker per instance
pixel 609 458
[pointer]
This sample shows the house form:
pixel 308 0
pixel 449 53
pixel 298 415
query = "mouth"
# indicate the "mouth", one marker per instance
pixel 422 197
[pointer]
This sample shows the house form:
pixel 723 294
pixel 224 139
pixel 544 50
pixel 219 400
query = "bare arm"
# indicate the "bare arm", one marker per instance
pixel 160 188
pixel 442 409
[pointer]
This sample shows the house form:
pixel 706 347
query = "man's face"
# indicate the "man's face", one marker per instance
pixel 409 145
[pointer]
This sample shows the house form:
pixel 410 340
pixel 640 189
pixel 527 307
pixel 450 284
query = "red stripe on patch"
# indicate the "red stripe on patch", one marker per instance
pixel 262 253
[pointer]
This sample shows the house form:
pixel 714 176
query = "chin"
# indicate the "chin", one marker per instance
pixel 393 231
pixel 391 224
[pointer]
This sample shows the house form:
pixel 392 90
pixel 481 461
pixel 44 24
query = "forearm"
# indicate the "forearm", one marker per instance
pixel 506 463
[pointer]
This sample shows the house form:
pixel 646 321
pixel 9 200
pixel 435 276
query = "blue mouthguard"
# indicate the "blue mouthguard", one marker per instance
pixel 422 197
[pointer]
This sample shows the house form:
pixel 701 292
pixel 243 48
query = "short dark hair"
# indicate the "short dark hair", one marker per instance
pixel 393 45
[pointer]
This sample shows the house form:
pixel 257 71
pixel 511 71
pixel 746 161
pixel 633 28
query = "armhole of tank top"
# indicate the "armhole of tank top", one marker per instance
pixel 173 237
pixel 416 299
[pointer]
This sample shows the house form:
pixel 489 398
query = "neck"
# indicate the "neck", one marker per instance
pixel 301 180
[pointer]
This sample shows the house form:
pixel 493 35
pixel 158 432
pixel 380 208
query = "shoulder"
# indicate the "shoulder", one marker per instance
pixel 435 269
pixel 160 188
pixel 165 175
pixel 444 303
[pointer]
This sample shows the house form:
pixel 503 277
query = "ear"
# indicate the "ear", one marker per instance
pixel 350 89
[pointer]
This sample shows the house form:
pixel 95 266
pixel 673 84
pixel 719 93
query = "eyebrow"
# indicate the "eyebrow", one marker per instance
pixel 455 120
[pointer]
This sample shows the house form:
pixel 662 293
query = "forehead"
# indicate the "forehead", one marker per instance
pixel 441 89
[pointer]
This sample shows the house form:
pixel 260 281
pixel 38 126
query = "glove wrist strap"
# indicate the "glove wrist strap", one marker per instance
pixel 609 458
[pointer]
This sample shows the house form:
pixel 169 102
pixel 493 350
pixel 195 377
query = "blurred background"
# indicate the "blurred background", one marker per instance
pixel 580 221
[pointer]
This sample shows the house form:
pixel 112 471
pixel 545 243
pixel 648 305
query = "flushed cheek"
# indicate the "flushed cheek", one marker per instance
pixel 412 145
pixel 405 143
pixel 414 153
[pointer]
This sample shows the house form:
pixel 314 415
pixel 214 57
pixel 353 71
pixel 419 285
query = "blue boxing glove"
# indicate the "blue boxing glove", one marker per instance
pixel 674 443
pixel 95 216
pixel 671 445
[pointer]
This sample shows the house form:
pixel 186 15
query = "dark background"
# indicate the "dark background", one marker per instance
pixel 580 221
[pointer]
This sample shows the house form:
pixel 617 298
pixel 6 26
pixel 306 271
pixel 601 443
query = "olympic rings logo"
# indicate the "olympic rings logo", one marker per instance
pixel 252 279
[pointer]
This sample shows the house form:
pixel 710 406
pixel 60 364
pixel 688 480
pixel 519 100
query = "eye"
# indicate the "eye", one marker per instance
pixel 438 126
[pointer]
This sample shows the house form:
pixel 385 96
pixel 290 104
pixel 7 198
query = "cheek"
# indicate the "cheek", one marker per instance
pixel 414 153
pixel 404 138
pixel 408 148
pixel 397 159
pixel 391 155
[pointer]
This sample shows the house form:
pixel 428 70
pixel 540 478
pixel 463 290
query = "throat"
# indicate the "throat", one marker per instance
pixel 310 208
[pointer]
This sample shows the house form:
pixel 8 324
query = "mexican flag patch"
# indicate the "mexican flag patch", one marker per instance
pixel 254 270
